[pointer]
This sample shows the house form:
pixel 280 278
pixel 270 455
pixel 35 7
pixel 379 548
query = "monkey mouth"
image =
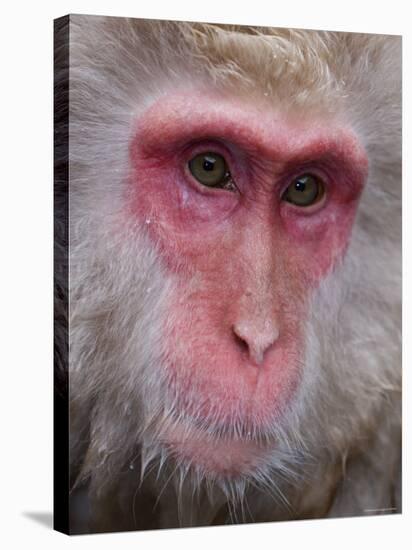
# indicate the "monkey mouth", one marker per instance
pixel 224 430
pixel 215 454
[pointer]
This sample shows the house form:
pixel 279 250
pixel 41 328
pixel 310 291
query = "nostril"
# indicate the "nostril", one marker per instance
pixel 255 340
pixel 242 344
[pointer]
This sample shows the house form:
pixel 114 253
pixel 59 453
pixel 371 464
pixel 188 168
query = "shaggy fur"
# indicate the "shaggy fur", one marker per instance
pixel 338 451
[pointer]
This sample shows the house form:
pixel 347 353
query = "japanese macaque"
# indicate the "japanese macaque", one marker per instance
pixel 234 273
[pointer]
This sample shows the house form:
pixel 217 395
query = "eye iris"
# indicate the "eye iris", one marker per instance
pixel 209 169
pixel 304 191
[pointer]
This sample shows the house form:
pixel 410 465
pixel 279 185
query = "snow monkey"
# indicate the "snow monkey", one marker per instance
pixel 228 219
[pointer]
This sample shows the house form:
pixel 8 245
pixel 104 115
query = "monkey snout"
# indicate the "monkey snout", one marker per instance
pixel 255 340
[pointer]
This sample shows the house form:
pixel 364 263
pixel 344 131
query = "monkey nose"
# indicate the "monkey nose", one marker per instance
pixel 256 338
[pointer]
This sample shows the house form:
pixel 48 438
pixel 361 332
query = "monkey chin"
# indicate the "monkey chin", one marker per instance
pixel 215 456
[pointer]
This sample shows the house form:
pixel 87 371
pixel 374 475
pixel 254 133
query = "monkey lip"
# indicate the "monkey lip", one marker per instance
pixel 214 455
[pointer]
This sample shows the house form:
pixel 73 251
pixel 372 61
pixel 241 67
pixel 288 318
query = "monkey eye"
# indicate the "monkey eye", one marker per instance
pixel 304 191
pixel 210 169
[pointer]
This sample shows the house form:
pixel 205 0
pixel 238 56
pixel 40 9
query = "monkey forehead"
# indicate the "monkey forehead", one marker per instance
pixel 257 128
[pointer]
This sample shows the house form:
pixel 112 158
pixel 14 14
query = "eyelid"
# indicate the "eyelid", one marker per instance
pixel 208 146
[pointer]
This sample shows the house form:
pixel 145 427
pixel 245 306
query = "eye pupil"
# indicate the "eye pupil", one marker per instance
pixel 300 185
pixel 208 164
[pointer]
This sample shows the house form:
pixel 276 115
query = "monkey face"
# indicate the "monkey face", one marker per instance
pixel 250 212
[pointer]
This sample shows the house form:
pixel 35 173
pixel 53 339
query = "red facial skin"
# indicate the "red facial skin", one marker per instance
pixel 247 260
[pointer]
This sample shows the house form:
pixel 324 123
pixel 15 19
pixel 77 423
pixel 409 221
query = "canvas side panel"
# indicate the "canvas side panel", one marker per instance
pixel 61 234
